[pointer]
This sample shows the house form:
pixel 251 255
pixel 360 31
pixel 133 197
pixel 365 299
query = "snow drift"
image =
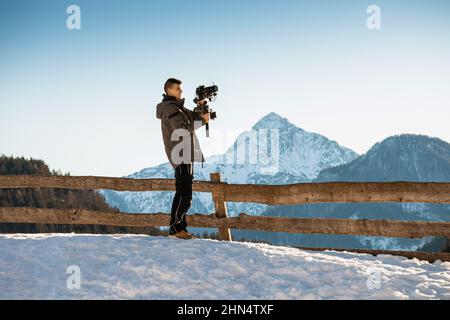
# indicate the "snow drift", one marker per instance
pixel 39 266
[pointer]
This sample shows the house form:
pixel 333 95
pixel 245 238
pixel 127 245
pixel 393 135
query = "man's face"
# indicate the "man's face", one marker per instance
pixel 175 91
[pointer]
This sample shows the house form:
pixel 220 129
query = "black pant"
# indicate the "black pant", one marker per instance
pixel 184 174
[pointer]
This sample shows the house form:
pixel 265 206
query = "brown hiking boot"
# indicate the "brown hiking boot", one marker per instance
pixel 182 235
pixel 192 236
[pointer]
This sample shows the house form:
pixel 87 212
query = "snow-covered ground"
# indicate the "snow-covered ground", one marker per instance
pixel 140 267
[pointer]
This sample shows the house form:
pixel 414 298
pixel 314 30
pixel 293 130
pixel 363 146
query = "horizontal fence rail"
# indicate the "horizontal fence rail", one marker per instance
pixel 301 193
pixel 428 192
pixel 385 228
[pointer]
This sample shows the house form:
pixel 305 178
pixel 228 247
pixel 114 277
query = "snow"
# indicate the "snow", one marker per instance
pixel 34 266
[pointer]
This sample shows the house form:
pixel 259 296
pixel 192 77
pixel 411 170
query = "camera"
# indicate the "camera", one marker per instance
pixel 209 93
pixel 203 92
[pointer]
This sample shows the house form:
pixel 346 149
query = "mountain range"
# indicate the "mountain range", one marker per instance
pixel 301 157
pixel 405 157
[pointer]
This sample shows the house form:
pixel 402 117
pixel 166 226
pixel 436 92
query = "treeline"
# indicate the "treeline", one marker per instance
pixel 55 198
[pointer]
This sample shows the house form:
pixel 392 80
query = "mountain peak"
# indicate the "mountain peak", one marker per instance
pixel 273 121
pixel 403 157
pixel 408 143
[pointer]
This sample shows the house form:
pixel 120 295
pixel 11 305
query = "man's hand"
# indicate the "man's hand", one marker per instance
pixel 205 117
pixel 202 102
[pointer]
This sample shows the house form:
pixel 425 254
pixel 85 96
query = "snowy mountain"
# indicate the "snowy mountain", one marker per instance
pixel 404 157
pixel 57 266
pixel 274 151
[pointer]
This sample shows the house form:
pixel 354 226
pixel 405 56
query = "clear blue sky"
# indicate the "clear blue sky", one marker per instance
pixel 84 100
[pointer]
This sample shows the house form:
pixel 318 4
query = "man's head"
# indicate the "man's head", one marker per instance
pixel 172 87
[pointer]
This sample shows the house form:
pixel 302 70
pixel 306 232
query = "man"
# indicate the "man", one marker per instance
pixel 179 122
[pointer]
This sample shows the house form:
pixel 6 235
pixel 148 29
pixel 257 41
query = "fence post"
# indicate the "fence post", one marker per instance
pixel 220 207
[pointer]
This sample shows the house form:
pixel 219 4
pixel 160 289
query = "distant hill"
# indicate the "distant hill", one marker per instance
pixel 405 157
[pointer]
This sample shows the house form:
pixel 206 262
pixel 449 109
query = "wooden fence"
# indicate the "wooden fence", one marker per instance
pixel 302 193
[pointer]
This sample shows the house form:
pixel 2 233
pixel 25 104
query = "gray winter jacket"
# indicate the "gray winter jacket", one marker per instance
pixel 173 116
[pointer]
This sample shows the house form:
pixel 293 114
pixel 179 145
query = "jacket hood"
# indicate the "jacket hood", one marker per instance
pixel 166 101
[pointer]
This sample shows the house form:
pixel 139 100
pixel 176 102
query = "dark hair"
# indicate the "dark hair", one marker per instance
pixel 170 82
